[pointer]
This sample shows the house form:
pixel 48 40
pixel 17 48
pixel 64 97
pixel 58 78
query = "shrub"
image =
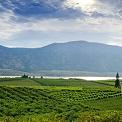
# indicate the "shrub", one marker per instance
pixel 108 116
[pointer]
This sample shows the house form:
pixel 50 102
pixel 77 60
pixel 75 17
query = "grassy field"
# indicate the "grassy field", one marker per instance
pixel 59 100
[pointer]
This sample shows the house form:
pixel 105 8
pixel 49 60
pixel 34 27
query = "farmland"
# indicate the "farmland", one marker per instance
pixel 59 100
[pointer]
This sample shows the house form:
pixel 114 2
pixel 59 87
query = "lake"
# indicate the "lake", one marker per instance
pixel 85 78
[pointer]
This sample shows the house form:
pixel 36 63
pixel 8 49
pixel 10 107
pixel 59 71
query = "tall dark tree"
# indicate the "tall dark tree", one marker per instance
pixel 117 81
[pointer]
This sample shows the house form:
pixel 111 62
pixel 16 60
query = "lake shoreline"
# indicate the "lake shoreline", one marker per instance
pixel 61 77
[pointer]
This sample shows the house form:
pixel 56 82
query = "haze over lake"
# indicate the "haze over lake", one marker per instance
pixel 85 78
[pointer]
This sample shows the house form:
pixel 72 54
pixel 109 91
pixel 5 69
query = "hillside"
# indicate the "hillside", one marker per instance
pixel 59 100
pixel 70 56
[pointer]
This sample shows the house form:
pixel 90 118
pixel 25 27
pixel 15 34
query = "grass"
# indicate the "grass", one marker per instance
pixel 68 82
pixel 54 82
pixel 59 100
pixel 106 82
pixel 18 82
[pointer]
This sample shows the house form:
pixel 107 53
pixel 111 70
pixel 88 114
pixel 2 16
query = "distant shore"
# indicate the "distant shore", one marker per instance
pixel 52 77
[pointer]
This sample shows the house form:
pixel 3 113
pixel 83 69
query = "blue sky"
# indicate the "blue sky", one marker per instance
pixel 36 23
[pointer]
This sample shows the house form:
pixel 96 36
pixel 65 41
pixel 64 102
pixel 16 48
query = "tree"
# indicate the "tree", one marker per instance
pixel 25 76
pixel 117 81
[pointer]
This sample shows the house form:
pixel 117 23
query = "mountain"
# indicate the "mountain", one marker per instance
pixel 70 56
pixel 10 72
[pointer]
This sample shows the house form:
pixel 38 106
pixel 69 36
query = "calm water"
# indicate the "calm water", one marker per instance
pixel 85 78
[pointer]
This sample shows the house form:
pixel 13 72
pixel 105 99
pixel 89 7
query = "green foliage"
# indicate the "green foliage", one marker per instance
pixel 117 83
pixel 106 116
pixel 58 100
pixel 17 82
pixel 32 118
pixel 25 76
pixel 69 82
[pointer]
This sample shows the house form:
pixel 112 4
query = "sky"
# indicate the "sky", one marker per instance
pixel 36 23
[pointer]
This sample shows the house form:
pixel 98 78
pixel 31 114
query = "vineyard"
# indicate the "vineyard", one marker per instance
pixel 58 100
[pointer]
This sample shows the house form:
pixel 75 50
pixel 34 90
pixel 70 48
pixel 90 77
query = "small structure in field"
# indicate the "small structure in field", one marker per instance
pixel 117 81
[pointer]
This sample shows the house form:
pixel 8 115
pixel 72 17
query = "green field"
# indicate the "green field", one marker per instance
pixel 59 100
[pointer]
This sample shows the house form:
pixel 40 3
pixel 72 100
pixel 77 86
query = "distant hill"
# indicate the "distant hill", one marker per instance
pixel 70 56
pixel 10 72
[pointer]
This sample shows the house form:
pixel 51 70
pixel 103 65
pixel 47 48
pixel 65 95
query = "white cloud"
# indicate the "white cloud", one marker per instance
pixel 107 25
pixel 7 26
pixel 91 6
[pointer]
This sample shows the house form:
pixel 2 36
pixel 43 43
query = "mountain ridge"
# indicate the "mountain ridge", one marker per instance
pixel 69 56
pixel 68 42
